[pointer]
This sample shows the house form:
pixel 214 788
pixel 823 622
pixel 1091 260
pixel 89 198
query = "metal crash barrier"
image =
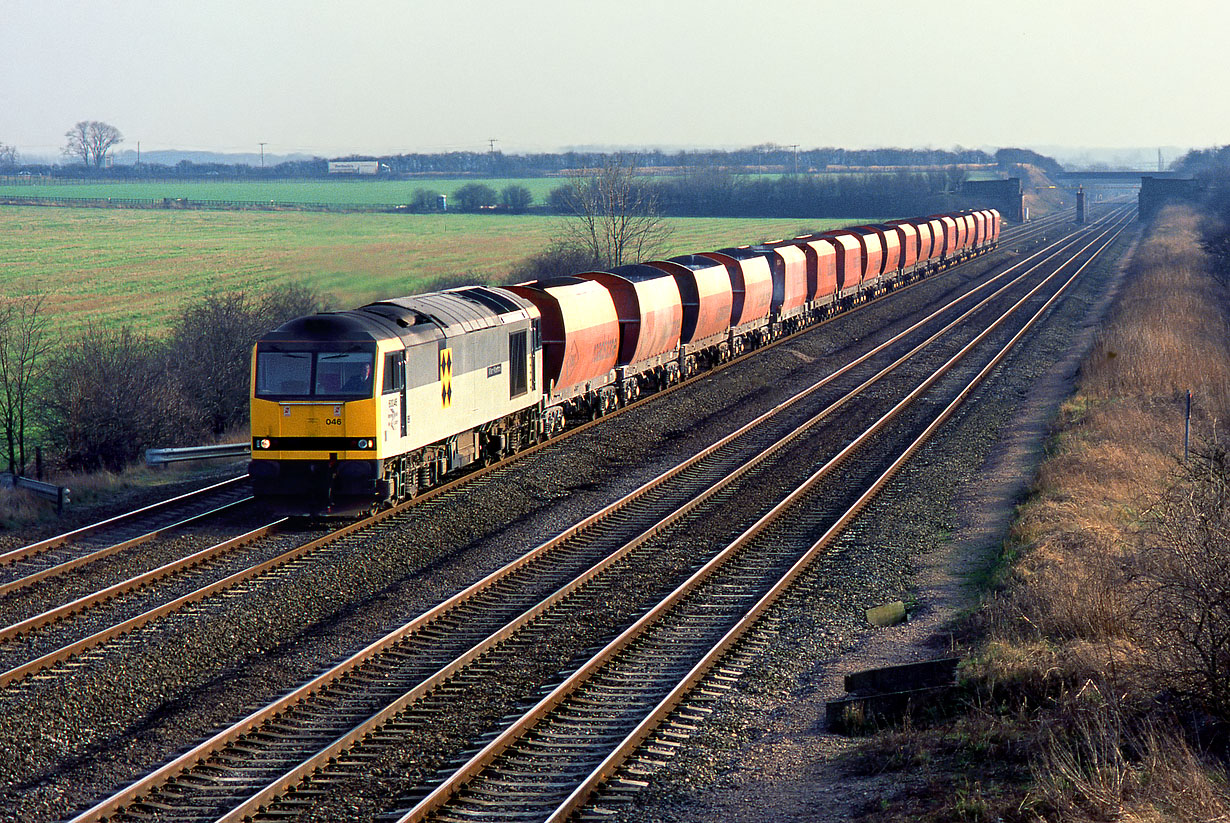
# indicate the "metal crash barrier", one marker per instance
pixel 47 491
pixel 161 457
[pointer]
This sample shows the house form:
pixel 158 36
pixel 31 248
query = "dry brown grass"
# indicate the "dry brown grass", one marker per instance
pixel 1075 664
pixel 1071 610
pixel 1118 444
pixel 1093 767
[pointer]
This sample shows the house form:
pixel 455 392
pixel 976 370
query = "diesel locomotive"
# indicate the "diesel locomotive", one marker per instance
pixel 356 409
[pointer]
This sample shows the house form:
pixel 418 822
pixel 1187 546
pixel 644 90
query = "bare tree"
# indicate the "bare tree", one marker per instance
pixel 8 155
pixel 24 342
pixel 107 395
pixel 91 140
pixel 616 219
pixel 211 346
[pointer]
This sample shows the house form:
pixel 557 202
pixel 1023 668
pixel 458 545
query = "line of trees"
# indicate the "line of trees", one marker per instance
pixel 714 193
pixel 90 141
pixel 103 395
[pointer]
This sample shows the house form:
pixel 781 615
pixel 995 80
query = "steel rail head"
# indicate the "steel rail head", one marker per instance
pixel 65 653
pixel 291 778
pixel 133 583
pixel 287 780
pixel 60 539
pixel 68 565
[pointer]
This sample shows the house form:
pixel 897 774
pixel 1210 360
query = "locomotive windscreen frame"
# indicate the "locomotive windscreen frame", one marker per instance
pixel 306 371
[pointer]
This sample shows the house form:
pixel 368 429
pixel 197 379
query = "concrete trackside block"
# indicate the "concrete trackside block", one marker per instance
pixel 890 614
pixel 883 696
pixel 859 715
pixel 907 676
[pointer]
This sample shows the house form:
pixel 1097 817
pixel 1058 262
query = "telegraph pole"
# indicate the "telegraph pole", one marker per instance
pixel 795 146
pixel 262 145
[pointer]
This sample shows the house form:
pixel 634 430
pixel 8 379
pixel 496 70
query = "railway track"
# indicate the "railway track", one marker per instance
pixel 47 637
pixel 32 564
pixel 605 711
pixel 266 742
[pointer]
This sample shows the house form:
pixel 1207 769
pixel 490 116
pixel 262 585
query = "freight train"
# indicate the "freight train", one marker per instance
pixel 357 409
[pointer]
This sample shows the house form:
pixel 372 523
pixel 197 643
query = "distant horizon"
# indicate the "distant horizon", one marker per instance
pixel 1066 155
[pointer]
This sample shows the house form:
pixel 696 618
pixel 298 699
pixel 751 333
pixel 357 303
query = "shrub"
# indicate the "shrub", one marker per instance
pixel 473 196
pixel 108 395
pixel 425 200
pixel 516 199
pixel 1184 563
pixel 558 260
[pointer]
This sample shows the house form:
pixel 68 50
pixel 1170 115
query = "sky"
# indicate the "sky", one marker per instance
pixel 378 76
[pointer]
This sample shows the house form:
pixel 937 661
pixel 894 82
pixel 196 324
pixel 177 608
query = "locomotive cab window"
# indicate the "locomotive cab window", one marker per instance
pixel 394 372
pixel 344 373
pixel 518 381
pixel 279 372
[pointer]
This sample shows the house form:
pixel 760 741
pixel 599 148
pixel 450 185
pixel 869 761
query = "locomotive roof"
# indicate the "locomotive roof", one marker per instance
pixel 416 317
pixel 459 310
pixel 340 325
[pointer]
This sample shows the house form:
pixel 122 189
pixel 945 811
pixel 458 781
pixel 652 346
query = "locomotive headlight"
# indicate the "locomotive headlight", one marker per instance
pixel 363 444
pixel 266 443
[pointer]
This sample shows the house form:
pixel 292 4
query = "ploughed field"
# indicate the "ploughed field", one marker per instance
pixel 267 641
pixel 139 267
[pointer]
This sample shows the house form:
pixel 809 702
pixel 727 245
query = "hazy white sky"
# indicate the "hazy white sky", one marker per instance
pixel 382 76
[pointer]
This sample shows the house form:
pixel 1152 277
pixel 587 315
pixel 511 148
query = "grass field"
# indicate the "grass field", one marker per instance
pixel 342 192
pixel 138 267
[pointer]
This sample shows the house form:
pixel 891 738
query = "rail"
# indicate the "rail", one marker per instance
pixel 521 729
pixel 160 457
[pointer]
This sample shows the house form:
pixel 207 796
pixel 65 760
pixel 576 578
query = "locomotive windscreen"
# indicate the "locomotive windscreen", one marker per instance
pixel 290 374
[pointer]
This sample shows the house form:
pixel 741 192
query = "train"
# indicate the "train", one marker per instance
pixel 355 410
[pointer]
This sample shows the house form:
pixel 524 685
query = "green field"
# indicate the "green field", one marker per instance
pixel 347 191
pixel 138 267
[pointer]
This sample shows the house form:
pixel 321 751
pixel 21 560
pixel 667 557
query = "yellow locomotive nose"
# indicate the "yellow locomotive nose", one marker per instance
pixel 312 420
